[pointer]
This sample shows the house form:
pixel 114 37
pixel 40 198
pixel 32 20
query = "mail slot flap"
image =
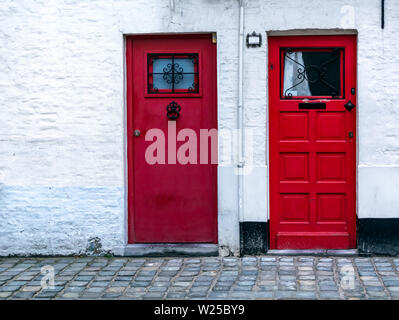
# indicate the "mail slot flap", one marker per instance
pixel 312 105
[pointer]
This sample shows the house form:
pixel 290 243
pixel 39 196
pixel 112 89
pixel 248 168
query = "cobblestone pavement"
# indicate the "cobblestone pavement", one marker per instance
pixel 264 277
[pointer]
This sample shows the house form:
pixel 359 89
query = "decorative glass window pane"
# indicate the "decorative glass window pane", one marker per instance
pixel 312 72
pixel 173 73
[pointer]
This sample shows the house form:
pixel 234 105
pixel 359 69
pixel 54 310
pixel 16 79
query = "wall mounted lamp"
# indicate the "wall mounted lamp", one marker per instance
pixel 254 40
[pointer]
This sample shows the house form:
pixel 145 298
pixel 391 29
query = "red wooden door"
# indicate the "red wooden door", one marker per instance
pixel 312 142
pixel 171 88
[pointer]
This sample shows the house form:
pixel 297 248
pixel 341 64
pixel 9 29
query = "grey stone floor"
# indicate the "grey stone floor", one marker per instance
pixel 263 277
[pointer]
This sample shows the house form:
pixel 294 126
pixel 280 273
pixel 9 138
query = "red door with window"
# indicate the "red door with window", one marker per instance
pixel 171 106
pixel 312 142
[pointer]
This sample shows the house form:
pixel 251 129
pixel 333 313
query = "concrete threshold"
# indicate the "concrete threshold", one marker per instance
pixel 171 250
pixel 315 252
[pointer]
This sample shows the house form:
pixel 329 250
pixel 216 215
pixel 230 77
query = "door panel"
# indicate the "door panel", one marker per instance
pixel 171 86
pixel 312 142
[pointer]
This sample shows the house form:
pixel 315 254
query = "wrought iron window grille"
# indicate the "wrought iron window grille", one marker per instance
pixel 173 73
pixel 313 73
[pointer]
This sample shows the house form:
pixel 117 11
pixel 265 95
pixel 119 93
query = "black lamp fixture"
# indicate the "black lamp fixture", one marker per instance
pixel 382 14
pixel 254 40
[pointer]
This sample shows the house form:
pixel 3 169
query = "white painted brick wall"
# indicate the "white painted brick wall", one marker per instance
pixel 62 151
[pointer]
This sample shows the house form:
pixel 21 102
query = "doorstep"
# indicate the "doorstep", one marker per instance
pixel 171 249
pixel 315 252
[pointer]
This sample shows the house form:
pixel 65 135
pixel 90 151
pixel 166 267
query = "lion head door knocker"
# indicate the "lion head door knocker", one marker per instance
pixel 173 110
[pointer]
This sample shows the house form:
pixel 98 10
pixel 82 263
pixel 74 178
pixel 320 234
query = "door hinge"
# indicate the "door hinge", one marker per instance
pixel 214 37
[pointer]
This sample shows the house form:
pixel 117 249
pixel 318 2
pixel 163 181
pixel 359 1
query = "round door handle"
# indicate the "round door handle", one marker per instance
pixel 136 133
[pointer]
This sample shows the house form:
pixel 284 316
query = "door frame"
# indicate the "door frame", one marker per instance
pixel 210 249
pixel 306 33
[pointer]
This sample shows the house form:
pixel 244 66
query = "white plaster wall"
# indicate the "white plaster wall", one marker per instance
pixel 378 191
pixel 62 152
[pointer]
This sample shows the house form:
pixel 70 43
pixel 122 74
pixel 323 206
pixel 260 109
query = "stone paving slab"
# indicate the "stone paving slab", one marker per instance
pixel 261 277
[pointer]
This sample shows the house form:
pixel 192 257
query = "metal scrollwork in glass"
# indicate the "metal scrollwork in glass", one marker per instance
pixel 173 73
pixel 312 73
